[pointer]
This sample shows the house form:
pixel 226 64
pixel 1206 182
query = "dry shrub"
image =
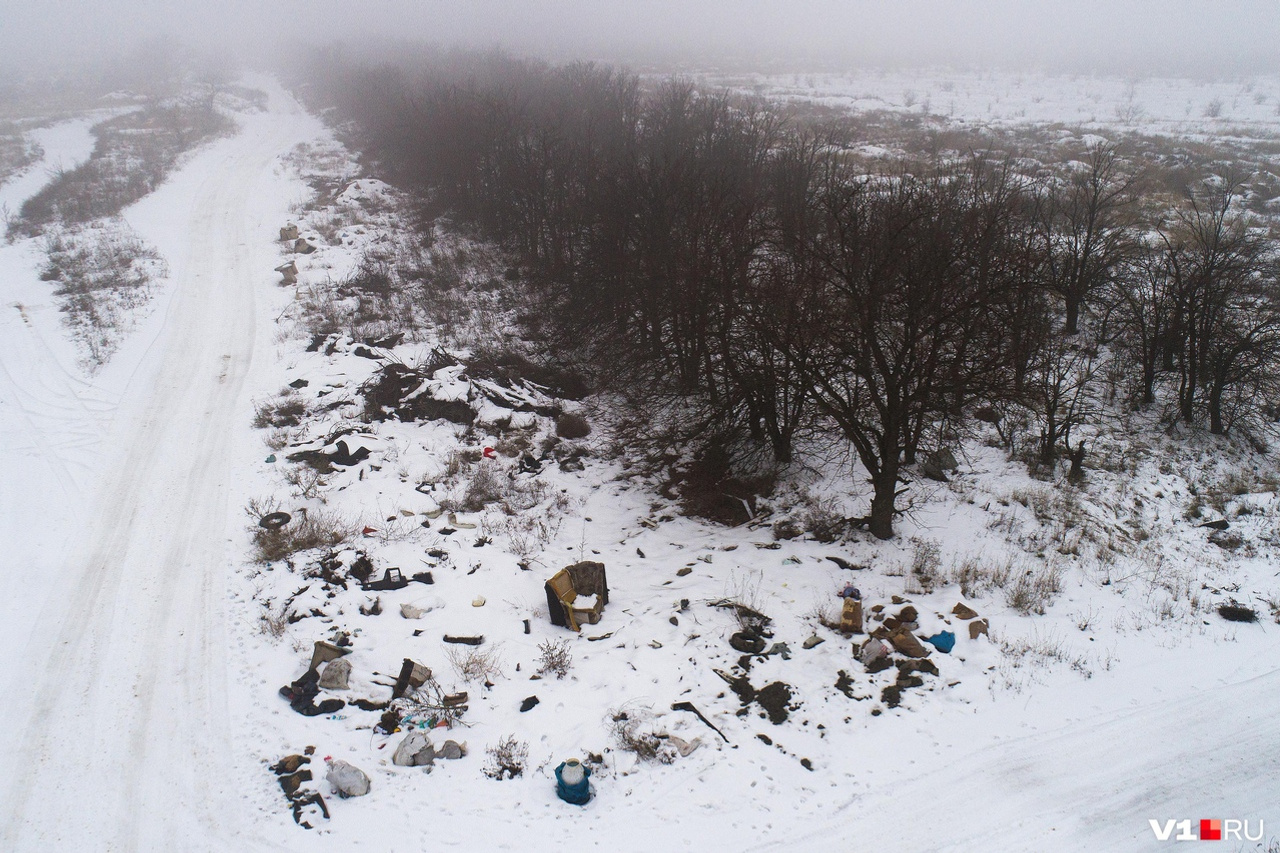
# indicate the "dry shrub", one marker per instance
pixel 1033 590
pixel 285 411
pixel 926 561
pixel 554 658
pixel 315 529
pixel 632 731
pixel 474 663
pixel 571 425
pixel 507 758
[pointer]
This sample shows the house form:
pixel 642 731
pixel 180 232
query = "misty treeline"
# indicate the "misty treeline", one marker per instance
pixel 721 253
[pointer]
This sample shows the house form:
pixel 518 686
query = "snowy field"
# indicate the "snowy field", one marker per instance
pixel 139 706
pixel 1201 109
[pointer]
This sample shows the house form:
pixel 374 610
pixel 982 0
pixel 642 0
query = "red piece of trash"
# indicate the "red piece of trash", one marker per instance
pixel 490 453
pixel 369 531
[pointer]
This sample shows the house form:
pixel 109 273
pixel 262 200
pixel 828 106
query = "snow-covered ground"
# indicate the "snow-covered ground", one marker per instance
pixel 139 708
pixel 1204 109
pixel 117 727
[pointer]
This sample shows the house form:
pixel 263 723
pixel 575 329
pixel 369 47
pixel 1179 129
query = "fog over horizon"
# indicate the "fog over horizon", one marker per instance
pixel 1130 37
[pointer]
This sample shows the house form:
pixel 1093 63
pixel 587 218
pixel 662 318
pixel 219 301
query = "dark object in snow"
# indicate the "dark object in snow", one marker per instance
pixel 366 353
pixel 573 782
pixel 746 643
pixel 394 391
pixel 464 641
pixel 299 383
pixel 528 703
pixel 424 577
pixel 437 554
pixel 412 675
pixel 344 456
pixel 564 587
pixel 1234 611
pixel 316 341
pixel 674 621
pixel 361 568
pixel 526 626
pixel 845 564
pixel 289 764
pixel 302 693
pixel 688 706
pixel 806 764
pixel 774 699
pixel 814 640
pixel 388 342
pixel 845 684
pixel 391 579
pixel 388 722
pixel 780 649
pixel 765 739
pixel 274 520
pixel 880 664
pixel 1220 524
pixel 301 801
pixel 374 609
pixel 962 611
pixel 529 465
pixel 291 782
pixel 301 246
pixel 640 553
pixel 937 464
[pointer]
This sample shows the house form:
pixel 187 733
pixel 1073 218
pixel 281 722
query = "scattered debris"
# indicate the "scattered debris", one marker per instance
pixel 963 612
pixel 563 589
pixel 814 640
pixel 572 782
pixel 274 520
pixel 465 641
pixel 412 675
pixel 415 750
pixel 392 579
pixel 943 641
pixel 688 706
pixel 346 779
pixel 528 703
pixel 335 675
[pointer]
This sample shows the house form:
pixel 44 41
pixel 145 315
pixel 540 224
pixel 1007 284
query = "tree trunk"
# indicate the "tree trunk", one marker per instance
pixel 1216 425
pixel 1071 325
pixel 885 483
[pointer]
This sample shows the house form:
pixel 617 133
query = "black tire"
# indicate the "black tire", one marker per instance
pixel 274 520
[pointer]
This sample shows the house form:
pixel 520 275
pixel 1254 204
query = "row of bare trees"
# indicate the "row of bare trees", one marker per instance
pixel 748 265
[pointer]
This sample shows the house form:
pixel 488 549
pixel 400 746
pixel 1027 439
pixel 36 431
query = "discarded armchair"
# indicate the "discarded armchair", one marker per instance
pixel 566 586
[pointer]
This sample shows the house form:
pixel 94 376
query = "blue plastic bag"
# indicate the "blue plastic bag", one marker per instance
pixel 943 641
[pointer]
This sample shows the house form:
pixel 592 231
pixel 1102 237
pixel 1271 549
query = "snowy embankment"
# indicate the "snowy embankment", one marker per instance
pixel 1116 696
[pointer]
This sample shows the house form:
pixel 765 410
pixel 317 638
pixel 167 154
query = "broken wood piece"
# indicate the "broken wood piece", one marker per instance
pixel 688 706
pixel 464 641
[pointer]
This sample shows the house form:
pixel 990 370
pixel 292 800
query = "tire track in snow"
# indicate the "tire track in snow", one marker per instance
pixel 135 674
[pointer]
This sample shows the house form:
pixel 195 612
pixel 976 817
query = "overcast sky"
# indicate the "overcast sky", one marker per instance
pixel 1127 36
